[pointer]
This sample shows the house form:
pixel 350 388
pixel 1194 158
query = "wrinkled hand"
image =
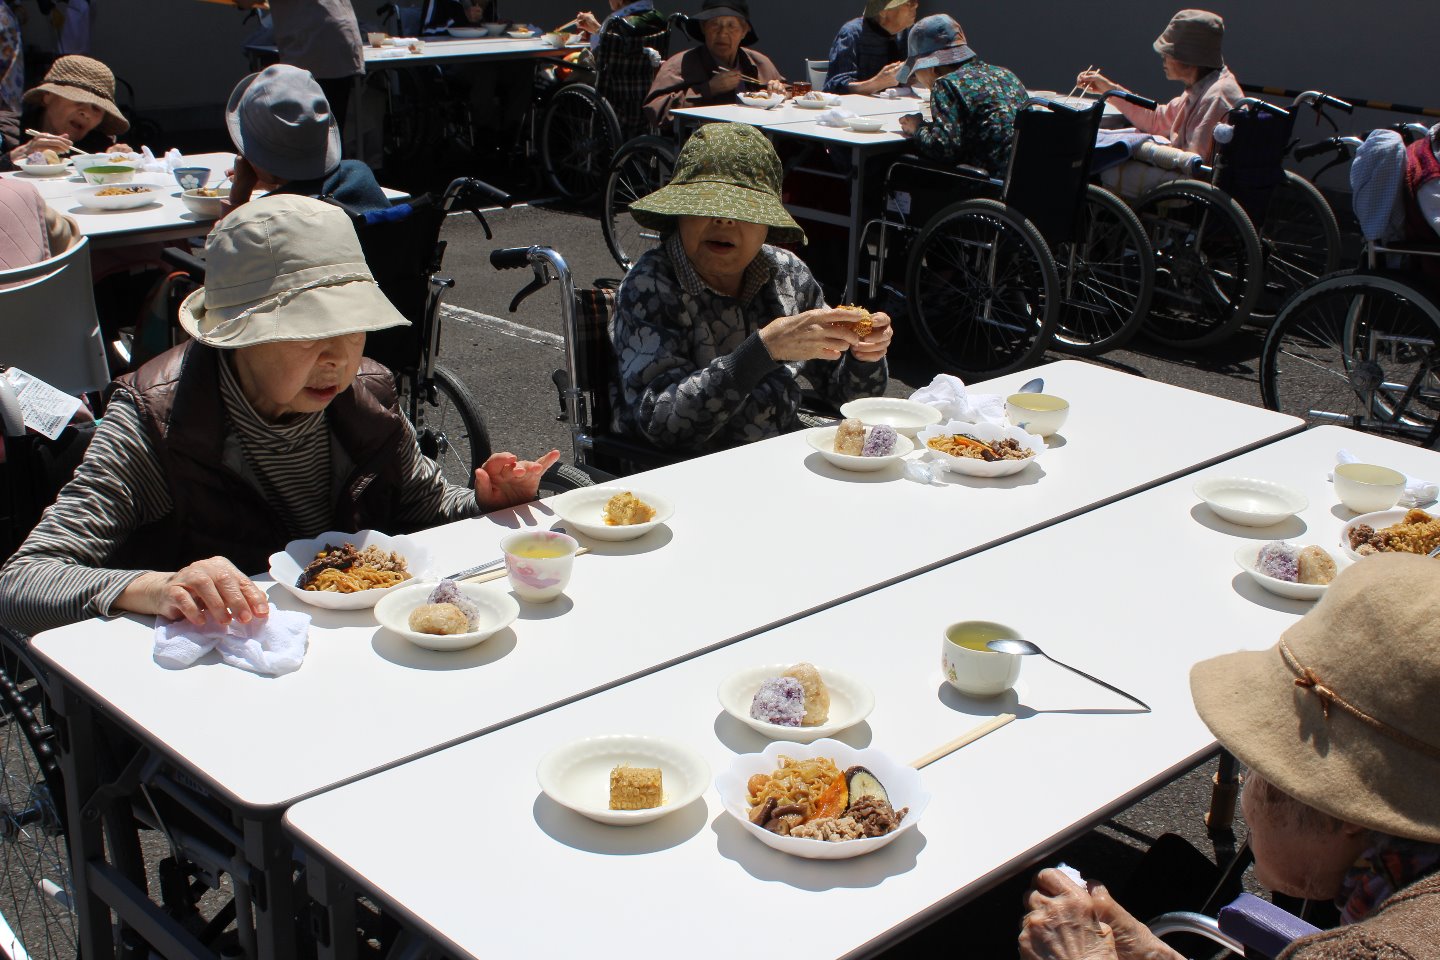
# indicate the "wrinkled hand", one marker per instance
pixel 1133 940
pixel 873 347
pixel 724 81
pixel 1093 81
pixel 48 141
pixel 910 122
pixel 1063 923
pixel 210 589
pixel 505 480
pixel 820 334
pixel 884 80
pixel 777 86
pixel 120 148
pixel 587 22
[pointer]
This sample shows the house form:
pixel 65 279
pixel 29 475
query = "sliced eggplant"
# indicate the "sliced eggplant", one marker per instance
pixel 863 783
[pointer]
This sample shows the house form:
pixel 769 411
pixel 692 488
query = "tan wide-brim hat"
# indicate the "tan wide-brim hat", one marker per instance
pixel 1344 712
pixel 1193 37
pixel 83 80
pixel 285 268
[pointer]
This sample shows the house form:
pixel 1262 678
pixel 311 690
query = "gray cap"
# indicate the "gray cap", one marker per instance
pixel 280 121
pixel 1193 37
pixel 934 41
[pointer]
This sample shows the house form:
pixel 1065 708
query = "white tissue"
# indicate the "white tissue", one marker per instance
pixel 835 117
pixel 1071 873
pixel 272 645
pixel 948 394
pixel 1417 492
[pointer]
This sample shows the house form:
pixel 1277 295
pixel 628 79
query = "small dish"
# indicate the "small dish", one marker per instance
pixel 191 178
pixel 287 565
pixel 102 174
pixel 908 417
pixel 1367 487
pixel 1376 521
pixel 43 169
pixel 583 511
pixel 139 195
pixel 1043 414
pixel 468 33
pixel 556 40
pixel 577 775
pixel 1246 556
pixel 823 102
pixel 1250 502
pixel 497 611
pixel 206 206
pixel 495 29
pixel 764 103
pixel 902 783
pixel 865 124
pixel 850 702
pixel 989 433
pixel 519 34
pixel 822 441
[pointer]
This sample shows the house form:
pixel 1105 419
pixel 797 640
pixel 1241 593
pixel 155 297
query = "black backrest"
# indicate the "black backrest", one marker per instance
pixel 1251 165
pixel 1050 165
pixel 594 353
pixel 624 70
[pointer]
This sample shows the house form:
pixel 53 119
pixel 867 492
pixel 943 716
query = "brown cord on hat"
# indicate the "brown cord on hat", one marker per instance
pixel 1307 679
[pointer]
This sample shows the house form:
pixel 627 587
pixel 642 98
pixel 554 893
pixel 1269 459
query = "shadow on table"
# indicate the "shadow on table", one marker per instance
pixel 983 708
pixel 742 739
pixel 581 833
pixel 1246 586
pixel 548 610
pixel 646 543
pixel 534 514
pixel 403 653
pixel 1286 530
pixel 763 863
pixel 1028 477
pixel 821 467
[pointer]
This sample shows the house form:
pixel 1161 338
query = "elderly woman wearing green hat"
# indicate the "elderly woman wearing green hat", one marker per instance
pixel 868 51
pixel 267 427
pixel 714 325
pixel 1190 49
pixel 1339 727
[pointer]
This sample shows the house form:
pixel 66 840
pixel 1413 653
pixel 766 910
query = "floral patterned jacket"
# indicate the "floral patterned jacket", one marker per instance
pixel 974 117
pixel 693 372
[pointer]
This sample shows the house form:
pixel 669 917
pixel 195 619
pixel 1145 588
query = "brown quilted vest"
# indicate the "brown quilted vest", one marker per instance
pixel 216 511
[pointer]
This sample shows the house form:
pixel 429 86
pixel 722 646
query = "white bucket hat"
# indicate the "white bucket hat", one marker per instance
pixel 285 268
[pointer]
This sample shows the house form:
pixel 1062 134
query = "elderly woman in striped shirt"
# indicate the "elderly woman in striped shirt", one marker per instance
pixel 267 426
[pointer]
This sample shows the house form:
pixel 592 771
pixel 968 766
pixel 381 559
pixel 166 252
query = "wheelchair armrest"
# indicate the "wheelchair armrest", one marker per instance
pixel 963 171
pixel 1262 925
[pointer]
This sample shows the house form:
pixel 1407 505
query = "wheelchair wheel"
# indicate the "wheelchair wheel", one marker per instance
pixel 1208 267
pixel 1106 278
pixel 1357 350
pixel 982 289
pixel 412 124
pixel 562 477
pixel 642 166
pixel 1300 240
pixel 36 893
pixel 578 137
pixel 448 424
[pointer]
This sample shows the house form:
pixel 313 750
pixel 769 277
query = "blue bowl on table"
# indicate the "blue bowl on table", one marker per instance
pixel 192 178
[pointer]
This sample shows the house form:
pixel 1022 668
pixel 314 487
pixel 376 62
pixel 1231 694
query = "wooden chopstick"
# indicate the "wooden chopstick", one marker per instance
pixel 567 23
pixel 42 133
pixel 748 79
pixel 496 574
pixel 1075 89
pixel 970 736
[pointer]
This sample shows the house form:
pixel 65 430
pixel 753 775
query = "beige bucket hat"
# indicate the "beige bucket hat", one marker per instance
pixel 285 268
pixel 83 80
pixel 1342 712
pixel 1193 37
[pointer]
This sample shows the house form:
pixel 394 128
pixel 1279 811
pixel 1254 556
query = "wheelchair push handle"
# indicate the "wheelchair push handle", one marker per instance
pixel 1319 100
pixel 510 258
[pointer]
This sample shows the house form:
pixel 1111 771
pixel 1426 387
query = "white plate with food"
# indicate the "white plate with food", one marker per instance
pixel 751 790
pixel 355 579
pixel 58 168
pixel 1296 571
pixel 822 441
pixel 762 100
pixel 648 777
pixel 612 512
pixel 447 615
pixel 906 416
pixel 521 34
pixel 817 101
pixel 962 447
pixel 468 33
pixel 1421 535
pixel 1250 502
pixel 206 202
pixel 118 196
pixel 789 691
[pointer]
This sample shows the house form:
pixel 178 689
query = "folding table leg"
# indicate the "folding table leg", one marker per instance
pixel 333 918
pixel 276 902
pixel 857 200
pixel 86 834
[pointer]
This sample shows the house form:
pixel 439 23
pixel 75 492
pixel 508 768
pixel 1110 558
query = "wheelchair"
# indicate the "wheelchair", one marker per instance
pixel 1234 240
pixel 1361 348
pixel 990 282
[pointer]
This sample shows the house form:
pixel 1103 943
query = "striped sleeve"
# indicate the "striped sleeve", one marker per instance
pixel 426 499
pixel 58 575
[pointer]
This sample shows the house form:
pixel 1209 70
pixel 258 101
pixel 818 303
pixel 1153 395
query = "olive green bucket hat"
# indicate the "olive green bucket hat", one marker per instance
pixel 725 170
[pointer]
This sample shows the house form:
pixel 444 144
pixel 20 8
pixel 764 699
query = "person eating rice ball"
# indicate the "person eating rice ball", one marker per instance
pixel 714 325
pixel 268 426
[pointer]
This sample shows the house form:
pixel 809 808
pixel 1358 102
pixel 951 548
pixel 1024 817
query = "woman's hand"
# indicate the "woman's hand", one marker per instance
pixel 822 334
pixel 120 148
pixel 910 122
pixel 1093 81
pixel 586 21
pixel 46 141
pixel 205 590
pixel 777 86
pixel 723 81
pixel 883 80
pixel 505 480
pixel 875 344
pixel 1063 923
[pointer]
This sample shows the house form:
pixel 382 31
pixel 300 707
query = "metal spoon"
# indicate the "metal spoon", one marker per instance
pixel 1034 386
pixel 1025 648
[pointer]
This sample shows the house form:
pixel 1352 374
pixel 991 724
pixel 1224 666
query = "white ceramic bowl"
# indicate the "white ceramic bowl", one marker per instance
pixel 1368 488
pixel 764 103
pixel 1043 414
pixel 989 433
pixel 1246 555
pixel 829 100
pixel 906 416
pixel 82 160
pixel 44 169
pixel 577 775
pixel 1250 502
pixel 498 609
pixel 496 29
pixel 903 783
pixel 822 441
pixel 519 34
pixel 115 173
pixel 865 124
pixel 208 207
pixel 850 702
pixel 469 33
pixel 286 567
pixel 1377 521
pixel 144 193
pixel 583 511
pixel 556 40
